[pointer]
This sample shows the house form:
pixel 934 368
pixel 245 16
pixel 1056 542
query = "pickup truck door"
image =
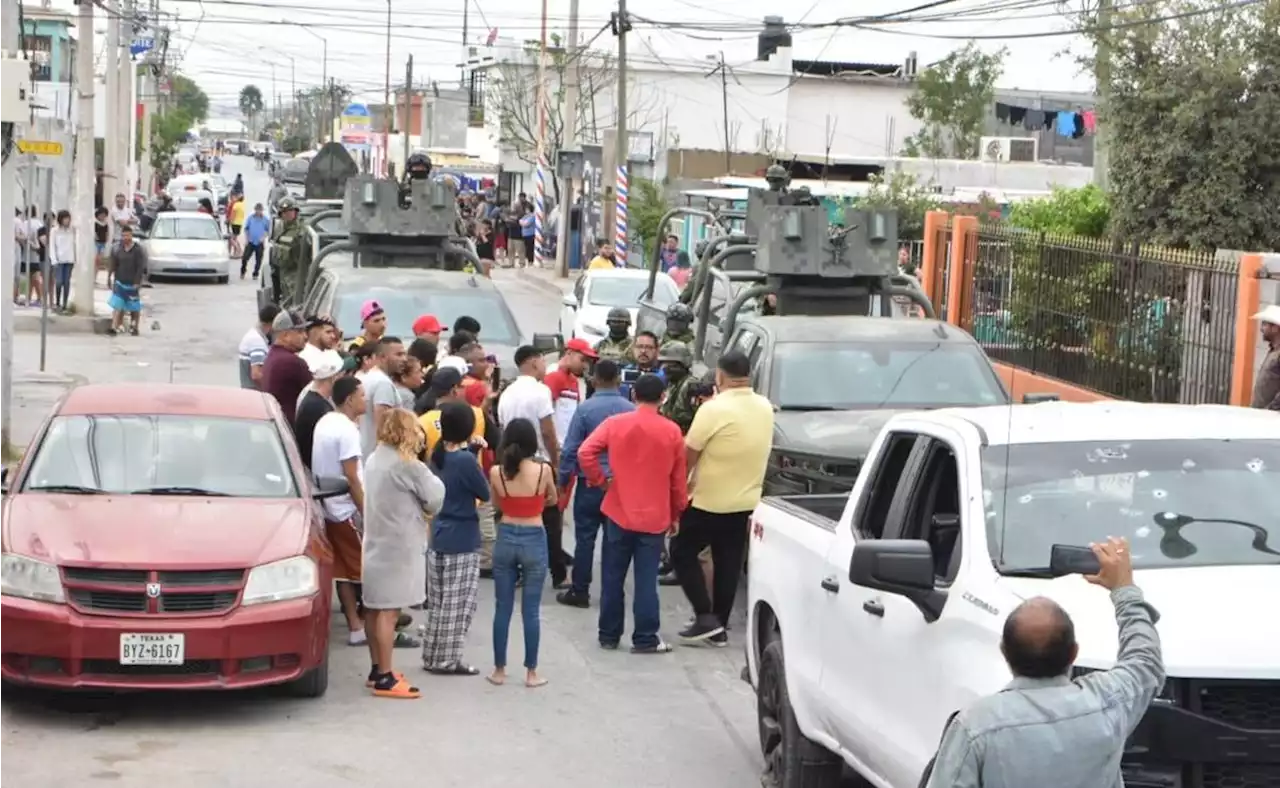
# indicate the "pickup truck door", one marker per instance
pixel 850 670
pixel 925 662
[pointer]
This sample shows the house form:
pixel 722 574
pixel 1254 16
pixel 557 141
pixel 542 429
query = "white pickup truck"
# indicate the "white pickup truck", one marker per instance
pixel 874 616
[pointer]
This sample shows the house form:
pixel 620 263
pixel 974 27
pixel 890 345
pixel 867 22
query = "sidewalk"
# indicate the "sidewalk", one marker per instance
pixel 26 319
pixel 545 279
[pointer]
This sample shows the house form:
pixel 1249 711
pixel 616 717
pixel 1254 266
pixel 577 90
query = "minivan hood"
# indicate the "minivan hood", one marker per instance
pixel 155 531
pixel 1212 618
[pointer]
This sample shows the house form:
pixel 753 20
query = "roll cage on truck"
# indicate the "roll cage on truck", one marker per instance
pixel 874 616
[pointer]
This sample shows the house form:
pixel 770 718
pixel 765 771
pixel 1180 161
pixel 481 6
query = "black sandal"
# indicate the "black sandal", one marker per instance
pixel 454 669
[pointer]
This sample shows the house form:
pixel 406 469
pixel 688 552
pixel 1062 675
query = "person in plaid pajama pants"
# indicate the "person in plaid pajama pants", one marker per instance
pixel 453 560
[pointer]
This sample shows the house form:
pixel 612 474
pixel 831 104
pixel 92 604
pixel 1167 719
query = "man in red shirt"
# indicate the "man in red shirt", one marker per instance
pixel 645 494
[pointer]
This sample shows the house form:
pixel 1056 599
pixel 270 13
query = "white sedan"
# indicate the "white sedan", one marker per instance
pixel 187 244
pixel 596 292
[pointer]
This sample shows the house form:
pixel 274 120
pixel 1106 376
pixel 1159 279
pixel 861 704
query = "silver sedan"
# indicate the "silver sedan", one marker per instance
pixel 188 245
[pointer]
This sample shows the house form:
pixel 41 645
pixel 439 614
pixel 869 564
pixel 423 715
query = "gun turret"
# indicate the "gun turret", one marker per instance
pixel 386 233
pixel 328 172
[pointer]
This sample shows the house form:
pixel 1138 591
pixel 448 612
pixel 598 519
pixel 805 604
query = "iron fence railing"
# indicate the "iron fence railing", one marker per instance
pixel 1132 322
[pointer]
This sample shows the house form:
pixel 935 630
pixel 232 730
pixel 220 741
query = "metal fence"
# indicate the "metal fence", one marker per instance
pixel 1132 322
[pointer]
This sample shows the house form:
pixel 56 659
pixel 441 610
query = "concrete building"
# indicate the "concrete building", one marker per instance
pixel 49 38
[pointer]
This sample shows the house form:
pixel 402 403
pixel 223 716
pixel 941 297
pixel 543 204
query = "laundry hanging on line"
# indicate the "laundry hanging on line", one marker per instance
pixel 1066 123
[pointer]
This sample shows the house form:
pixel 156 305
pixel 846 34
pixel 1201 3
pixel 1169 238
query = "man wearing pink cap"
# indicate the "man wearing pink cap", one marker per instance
pixel 373 324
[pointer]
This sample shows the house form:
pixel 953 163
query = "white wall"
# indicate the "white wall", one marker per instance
pixel 864 117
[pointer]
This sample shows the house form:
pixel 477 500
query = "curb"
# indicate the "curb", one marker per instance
pixel 550 287
pixel 63 324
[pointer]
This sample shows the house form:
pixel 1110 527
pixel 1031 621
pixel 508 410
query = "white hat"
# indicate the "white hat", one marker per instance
pixel 326 365
pixel 454 362
pixel 1269 314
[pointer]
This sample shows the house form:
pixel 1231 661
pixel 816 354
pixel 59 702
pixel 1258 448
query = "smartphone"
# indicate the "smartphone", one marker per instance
pixel 1065 559
pixel 630 375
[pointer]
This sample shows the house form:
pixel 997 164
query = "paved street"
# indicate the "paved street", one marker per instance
pixel 606 718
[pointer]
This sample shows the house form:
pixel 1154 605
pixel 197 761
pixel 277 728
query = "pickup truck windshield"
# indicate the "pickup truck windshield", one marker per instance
pixel 405 306
pixel 871 375
pixel 627 291
pixel 1179 502
pixel 136 454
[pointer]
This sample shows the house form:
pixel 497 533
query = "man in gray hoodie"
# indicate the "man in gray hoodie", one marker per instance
pixel 129 261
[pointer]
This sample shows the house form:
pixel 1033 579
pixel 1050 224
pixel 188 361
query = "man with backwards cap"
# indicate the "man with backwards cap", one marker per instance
pixel 284 373
pixel 316 400
pixel 373 325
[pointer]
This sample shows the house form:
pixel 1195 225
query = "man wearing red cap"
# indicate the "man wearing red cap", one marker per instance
pixel 428 327
pixel 568 390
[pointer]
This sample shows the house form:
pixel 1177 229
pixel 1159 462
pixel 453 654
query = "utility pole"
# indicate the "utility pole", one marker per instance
pixel 408 109
pixel 540 170
pixel 1102 88
pixel 573 82
pixel 128 114
pixel 466 10
pixel 111 139
pixel 621 141
pixel 386 99
pixel 85 168
pixel 724 104
pixel 10 40
pixel 293 88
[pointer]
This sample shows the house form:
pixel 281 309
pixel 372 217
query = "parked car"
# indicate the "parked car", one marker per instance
pixel 135 556
pixel 874 616
pixel 187 244
pixel 596 292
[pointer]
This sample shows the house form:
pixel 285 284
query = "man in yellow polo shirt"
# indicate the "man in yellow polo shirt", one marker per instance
pixel 728 449
pixel 603 261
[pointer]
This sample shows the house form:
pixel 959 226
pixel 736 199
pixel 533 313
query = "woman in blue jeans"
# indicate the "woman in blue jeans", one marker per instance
pixel 523 487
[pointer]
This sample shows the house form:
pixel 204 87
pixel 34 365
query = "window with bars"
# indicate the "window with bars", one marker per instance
pixel 476 98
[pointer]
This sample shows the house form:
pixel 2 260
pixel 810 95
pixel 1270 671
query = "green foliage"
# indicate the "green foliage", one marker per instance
pixel 1085 211
pixel 903 191
pixel 251 104
pixel 168 130
pixel 647 205
pixel 1190 114
pixel 189 98
pixel 952 99
pixel 296 143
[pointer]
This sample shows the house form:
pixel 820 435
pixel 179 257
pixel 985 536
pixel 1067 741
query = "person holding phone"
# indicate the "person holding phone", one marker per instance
pixel 1045 721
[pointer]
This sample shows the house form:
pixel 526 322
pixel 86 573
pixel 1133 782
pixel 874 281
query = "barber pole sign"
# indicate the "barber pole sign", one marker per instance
pixel 620 241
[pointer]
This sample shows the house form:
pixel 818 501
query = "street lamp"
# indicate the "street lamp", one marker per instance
pixel 324 81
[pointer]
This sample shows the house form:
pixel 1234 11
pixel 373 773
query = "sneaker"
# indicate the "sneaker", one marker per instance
pixel 669 579
pixel 719 641
pixel 609 645
pixel 572 598
pixel 696 633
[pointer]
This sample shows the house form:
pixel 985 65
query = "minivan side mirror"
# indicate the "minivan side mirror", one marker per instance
pixel 330 487
pixel 1033 399
pixel 899 566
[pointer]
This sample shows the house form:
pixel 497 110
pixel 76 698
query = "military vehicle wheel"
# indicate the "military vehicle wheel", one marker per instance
pixel 222 280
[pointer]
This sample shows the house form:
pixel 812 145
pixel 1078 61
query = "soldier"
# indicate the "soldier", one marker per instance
pixel 617 346
pixel 418 168
pixel 290 256
pixel 679 321
pixel 677 361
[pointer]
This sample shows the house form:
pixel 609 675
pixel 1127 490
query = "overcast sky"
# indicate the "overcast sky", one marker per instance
pixel 226 44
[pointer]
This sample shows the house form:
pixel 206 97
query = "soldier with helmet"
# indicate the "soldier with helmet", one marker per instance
pixel 418 168
pixel 617 346
pixel 290 256
pixel 679 324
pixel 677 365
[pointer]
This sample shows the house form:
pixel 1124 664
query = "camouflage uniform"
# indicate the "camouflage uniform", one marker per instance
pixel 678 405
pixel 679 314
pixel 291 257
pixel 618 350
pixel 685 337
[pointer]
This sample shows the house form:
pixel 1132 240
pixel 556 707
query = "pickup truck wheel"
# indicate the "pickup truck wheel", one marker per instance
pixel 790 760
pixel 312 684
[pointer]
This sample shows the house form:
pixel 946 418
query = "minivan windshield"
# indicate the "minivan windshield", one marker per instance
pixel 1179 502
pixel 143 454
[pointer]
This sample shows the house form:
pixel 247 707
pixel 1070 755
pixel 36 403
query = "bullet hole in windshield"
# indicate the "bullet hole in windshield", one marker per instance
pixel 1159 495
pixel 1256 465
pixel 1188 465
pixel 1143 532
pixel 1143 474
pixel 1026 498
pixel 1106 454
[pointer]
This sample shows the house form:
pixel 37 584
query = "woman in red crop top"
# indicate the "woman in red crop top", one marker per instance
pixel 522 487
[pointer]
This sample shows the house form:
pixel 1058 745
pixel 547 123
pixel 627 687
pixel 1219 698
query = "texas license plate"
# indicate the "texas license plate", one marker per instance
pixel 152 649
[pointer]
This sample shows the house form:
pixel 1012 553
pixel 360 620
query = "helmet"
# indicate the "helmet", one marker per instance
pixel 618 315
pixel 677 352
pixel 286 204
pixel 418 166
pixel 680 312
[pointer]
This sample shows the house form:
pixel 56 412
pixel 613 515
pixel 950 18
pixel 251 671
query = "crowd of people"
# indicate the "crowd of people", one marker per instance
pixel 450 480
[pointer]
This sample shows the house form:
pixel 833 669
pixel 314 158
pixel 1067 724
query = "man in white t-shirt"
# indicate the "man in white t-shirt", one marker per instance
pixel 380 389
pixel 335 453
pixel 322 336
pixel 254 347
pixel 122 216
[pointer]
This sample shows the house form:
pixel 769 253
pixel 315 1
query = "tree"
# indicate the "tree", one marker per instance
pixel 647 206
pixel 905 192
pixel 512 96
pixel 1190 111
pixel 952 99
pixel 251 105
pixel 168 130
pixel 187 96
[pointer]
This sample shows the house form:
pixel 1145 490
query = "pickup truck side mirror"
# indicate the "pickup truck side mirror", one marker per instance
pixel 330 487
pixel 548 343
pixel 1032 399
pixel 899 566
pixel 570 300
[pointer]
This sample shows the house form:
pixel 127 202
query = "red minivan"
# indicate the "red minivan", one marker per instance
pixel 165 537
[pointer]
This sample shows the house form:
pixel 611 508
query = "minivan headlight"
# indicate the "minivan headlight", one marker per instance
pixel 30 579
pixel 291 578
